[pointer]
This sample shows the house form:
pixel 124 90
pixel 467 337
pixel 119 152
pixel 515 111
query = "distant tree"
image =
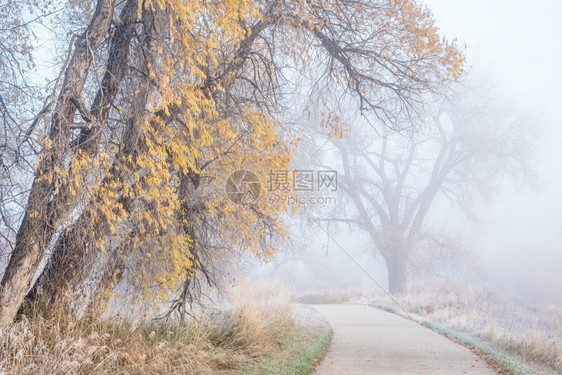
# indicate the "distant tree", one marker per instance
pixel 459 149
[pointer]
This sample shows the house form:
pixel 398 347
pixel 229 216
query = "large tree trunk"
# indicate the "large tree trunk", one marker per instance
pixel 47 207
pixel 396 266
pixel 111 275
pixel 62 274
pixel 395 249
pixel 75 251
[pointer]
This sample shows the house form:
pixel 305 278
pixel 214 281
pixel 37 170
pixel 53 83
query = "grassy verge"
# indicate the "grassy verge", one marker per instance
pixel 499 360
pixel 258 334
pixel 298 357
pixel 384 308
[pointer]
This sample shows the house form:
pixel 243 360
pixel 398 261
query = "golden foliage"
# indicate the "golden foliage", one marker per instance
pixel 190 132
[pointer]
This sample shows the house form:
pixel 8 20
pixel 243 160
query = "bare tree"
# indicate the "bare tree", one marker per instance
pixel 460 150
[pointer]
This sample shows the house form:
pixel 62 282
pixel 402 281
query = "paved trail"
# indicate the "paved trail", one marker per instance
pixel 370 341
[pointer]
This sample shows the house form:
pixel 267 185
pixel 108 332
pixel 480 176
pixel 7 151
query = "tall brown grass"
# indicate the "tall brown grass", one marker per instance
pixel 259 319
pixel 262 317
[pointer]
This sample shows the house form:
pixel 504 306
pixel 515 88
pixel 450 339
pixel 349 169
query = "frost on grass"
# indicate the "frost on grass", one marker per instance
pixel 259 320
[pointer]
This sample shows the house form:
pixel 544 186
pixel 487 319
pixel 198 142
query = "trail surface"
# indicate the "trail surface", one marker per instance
pixel 370 341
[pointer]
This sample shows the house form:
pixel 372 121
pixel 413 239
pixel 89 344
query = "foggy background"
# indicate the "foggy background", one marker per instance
pixel 516 240
pixel 518 44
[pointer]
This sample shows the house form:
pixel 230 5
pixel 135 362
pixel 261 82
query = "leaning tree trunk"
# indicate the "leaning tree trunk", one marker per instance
pixel 47 207
pixel 73 251
pixel 68 267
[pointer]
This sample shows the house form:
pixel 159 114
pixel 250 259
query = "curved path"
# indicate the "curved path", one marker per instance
pixel 370 341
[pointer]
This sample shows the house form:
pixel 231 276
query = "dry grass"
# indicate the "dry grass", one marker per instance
pixel 259 321
pixel 260 327
pixel 321 296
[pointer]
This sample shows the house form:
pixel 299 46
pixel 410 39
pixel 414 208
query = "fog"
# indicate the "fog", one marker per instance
pixel 517 43
pixel 514 238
